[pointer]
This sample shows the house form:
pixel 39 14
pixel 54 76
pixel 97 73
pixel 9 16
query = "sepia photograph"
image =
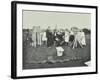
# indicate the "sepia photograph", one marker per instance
pixel 53 39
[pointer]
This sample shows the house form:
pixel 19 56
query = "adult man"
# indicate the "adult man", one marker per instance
pixel 49 36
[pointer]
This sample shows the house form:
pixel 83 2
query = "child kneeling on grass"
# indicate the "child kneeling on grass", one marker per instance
pixel 60 51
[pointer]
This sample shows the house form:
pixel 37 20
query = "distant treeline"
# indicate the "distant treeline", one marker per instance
pixel 85 30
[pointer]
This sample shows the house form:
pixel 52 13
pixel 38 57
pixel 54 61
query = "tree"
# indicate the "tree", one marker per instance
pixel 86 31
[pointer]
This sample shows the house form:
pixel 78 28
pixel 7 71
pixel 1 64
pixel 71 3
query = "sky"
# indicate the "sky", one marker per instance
pixel 60 19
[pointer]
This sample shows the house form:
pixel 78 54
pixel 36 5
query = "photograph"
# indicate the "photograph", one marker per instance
pixel 50 39
pixel 56 39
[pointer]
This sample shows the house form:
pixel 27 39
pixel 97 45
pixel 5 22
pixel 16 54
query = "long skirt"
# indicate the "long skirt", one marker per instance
pixel 34 39
pixel 39 40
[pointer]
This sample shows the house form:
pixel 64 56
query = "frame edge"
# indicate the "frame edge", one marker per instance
pixel 13 40
pixel 14 35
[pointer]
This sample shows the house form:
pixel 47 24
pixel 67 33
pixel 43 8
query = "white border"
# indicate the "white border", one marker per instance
pixel 35 72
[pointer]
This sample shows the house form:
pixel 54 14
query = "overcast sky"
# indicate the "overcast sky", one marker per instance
pixel 61 19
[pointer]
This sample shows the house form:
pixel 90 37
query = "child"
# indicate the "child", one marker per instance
pixel 67 36
pixel 44 38
pixel 60 51
pixel 34 36
pixel 83 40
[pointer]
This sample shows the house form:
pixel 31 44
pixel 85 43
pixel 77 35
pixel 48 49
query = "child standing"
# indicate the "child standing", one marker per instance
pixel 67 36
pixel 44 38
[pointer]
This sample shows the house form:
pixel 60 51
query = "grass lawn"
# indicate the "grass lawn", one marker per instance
pixel 38 57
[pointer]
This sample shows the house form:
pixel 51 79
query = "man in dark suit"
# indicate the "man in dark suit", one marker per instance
pixel 49 36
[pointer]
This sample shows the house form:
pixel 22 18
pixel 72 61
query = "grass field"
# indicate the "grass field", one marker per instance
pixel 38 57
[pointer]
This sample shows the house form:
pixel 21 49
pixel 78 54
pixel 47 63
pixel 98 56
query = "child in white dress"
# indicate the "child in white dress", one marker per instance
pixel 44 38
pixel 34 36
pixel 83 40
pixel 60 51
pixel 67 35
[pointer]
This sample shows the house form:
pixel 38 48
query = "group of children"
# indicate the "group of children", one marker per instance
pixel 55 37
pixel 58 37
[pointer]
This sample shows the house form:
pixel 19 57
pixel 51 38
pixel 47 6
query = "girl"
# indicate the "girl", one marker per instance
pixel 67 36
pixel 34 36
pixel 44 38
